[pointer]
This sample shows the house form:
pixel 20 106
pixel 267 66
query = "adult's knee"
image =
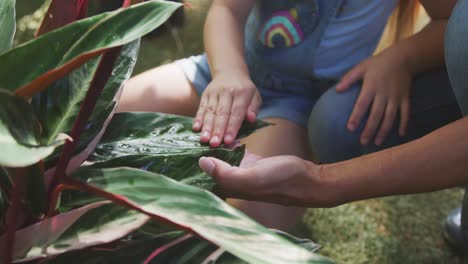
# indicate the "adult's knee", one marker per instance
pixel 329 137
pixel 456 53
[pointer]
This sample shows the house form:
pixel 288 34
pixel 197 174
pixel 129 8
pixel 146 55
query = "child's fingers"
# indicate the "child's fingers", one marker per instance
pixel 209 119
pixel 405 113
pixel 376 113
pixel 360 108
pixel 238 112
pixel 221 119
pixel 254 106
pixel 387 124
pixel 351 77
pixel 198 121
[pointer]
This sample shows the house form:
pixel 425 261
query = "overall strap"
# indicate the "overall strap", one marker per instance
pixel 291 69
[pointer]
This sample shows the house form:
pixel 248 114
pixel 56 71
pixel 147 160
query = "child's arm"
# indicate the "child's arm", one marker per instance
pixel 231 96
pixel 387 76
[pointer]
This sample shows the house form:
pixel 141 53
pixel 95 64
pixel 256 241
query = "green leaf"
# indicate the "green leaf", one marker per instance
pixel 91 225
pixel 200 211
pixel 249 128
pixel 130 252
pixel 187 250
pixel 59 105
pixel 7 24
pixel 196 250
pixel 163 144
pixel 181 167
pixel 173 130
pixel 55 54
pixel 173 247
pixel 19 133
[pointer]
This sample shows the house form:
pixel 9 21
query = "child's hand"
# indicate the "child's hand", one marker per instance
pixel 385 90
pixel 229 99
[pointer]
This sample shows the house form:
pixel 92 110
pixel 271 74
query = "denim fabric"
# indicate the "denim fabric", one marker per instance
pixel 286 68
pixel 286 105
pixel 433 105
pixel 456 56
pixel 284 72
pixel 456 53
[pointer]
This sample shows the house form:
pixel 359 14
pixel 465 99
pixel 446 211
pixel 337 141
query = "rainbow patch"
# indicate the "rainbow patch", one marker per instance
pixel 281 30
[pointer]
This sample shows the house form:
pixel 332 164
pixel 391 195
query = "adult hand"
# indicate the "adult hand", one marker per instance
pixel 286 180
pixel 385 92
pixel 229 99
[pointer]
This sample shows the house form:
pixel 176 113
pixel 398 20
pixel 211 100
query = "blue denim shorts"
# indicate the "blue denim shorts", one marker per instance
pixel 281 104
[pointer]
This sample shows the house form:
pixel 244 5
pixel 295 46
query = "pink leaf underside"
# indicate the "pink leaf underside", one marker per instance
pixel 162 249
pixel 40 236
pixel 80 158
pixel 214 256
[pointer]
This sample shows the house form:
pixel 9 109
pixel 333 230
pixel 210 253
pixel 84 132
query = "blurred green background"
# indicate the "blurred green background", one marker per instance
pixel 405 229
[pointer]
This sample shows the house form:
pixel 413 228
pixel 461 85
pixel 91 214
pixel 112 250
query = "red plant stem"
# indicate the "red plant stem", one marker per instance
pixel 123 201
pixel 61 13
pixel 166 247
pixel 77 185
pixel 12 214
pixel 98 83
pixel 5 189
pixel 126 3
pixel 54 198
pixel 82 9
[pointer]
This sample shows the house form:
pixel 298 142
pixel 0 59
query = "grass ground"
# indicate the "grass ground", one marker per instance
pixel 404 229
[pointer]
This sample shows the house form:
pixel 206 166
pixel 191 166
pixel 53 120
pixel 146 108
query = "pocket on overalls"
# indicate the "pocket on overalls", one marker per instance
pixel 286 23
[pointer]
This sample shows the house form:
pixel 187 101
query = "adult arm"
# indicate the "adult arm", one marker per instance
pixel 434 162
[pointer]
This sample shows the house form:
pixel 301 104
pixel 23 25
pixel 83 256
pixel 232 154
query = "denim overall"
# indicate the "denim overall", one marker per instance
pixel 281 38
pixel 456 56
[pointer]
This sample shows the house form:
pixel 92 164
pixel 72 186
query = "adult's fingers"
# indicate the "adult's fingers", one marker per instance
pixel 208 120
pixel 375 117
pixel 229 178
pixel 405 113
pixel 351 77
pixel 221 119
pixel 387 124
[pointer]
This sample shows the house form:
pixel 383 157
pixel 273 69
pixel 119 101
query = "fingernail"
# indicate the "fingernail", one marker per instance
pixel 365 141
pixel 205 134
pixel 215 140
pixel 378 141
pixel 351 127
pixel 252 117
pixel 196 125
pixel 228 139
pixel 207 165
